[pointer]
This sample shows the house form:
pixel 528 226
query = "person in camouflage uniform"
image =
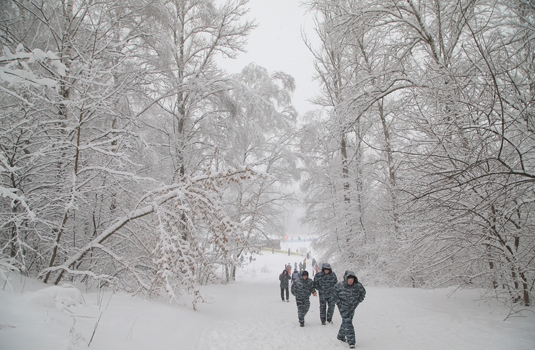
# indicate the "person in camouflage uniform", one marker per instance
pixel 324 282
pixel 348 294
pixel 301 289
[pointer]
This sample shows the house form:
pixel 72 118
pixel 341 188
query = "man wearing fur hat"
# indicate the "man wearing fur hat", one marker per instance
pixel 348 294
pixel 301 289
pixel 324 282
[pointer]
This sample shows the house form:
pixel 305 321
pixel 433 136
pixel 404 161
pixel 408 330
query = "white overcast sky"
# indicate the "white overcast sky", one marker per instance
pixel 277 45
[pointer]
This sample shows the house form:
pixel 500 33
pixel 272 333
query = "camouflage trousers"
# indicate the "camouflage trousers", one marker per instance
pixel 303 305
pixel 326 309
pixel 347 331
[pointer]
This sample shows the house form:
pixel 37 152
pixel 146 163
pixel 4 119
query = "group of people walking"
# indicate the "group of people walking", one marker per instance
pixel 346 294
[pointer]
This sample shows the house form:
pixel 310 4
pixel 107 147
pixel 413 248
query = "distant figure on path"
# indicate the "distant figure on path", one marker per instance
pixel 284 278
pixel 295 275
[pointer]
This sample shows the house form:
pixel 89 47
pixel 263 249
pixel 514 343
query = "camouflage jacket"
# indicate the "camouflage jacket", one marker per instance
pixel 348 297
pixel 302 289
pixel 325 283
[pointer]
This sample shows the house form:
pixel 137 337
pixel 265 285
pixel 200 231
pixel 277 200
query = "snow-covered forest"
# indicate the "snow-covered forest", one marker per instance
pixel 130 159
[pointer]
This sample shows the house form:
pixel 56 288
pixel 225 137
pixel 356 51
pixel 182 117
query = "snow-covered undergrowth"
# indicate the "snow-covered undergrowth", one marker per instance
pixel 249 314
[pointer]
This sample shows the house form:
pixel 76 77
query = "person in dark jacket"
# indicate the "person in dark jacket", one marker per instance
pixel 285 280
pixel 347 295
pixel 301 289
pixel 324 282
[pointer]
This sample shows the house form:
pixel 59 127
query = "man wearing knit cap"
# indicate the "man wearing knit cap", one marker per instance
pixel 347 295
pixel 301 289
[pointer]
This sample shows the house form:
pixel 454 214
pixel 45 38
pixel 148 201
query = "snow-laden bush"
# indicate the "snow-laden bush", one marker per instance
pixel 59 297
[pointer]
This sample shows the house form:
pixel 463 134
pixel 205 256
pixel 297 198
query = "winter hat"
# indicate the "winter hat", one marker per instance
pixel 326 266
pixel 304 273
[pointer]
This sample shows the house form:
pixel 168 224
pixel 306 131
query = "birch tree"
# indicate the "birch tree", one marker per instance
pixel 258 131
pixel 347 63
pixel 335 75
pixel 184 38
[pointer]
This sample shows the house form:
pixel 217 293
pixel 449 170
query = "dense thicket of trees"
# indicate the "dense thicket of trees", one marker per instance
pixel 126 154
pixel 429 124
pixel 128 157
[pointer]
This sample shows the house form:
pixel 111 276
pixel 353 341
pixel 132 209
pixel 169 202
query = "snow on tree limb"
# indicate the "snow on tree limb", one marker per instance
pixel 15 69
pixel 196 188
pixel 12 192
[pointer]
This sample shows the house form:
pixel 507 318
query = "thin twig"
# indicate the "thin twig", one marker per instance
pixel 94 330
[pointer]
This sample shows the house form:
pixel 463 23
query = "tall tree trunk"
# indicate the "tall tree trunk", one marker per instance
pixel 391 170
pixel 66 51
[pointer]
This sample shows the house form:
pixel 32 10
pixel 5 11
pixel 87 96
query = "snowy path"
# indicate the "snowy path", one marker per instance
pixel 256 318
pixel 249 315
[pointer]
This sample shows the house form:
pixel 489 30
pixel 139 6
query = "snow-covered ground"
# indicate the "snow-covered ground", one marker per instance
pixel 249 315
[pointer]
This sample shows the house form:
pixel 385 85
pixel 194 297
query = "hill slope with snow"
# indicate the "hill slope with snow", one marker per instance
pixel 249 314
